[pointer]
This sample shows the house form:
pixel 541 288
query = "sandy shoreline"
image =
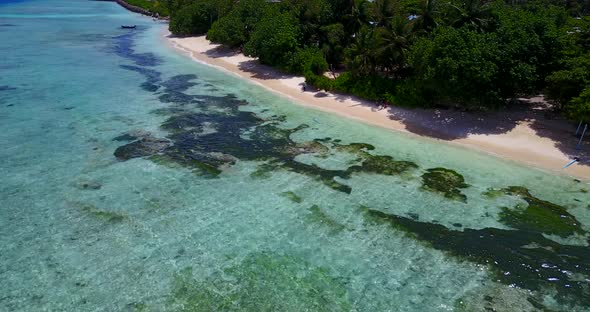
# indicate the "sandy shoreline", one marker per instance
pixel 524 136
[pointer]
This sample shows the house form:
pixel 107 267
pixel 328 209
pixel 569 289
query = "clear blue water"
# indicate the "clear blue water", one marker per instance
pixel 186 218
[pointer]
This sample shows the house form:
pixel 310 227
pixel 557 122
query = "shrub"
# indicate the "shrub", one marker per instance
pixel 457 66
pixel 579 107
pixel 273 39
pixel 235 28
pixel 193 19
pixel 321 82
pixel 310 59
pixel 228 30
pixel 152 6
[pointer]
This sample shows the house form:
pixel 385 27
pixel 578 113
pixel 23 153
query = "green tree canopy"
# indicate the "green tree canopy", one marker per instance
pixel 393 41
pixel 457 66
pixel 467 53
pixel 310 16
pixel 573 75
pixel 579 107
pixel 360 56
pixel 235 28
pixel 334 40
pixel 197 17
pixel 274 38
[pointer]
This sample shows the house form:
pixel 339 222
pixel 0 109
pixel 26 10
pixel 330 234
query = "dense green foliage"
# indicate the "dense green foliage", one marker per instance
pixel 234 29
pixel 310 60
pixel 472 54
pixel 155 6
pixel 580 106
pixel 196 17
pixel 274 38
pixel 457 66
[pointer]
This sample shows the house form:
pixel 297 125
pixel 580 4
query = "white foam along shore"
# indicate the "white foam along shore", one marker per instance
pixel 512 135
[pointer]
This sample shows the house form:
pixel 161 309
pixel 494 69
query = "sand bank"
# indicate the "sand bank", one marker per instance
pixel 523 134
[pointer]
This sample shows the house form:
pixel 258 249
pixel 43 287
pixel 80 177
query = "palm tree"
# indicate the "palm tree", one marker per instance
pixel 393 43
pixel 425 17
pixel 473 13
pixel 382 11
pixel 358 17
pixel 360 55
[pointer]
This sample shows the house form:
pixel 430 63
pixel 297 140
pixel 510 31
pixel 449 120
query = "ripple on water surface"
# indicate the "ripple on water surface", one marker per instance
pixel 171 186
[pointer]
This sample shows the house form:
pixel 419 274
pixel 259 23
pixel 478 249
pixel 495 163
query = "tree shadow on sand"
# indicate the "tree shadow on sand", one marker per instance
pixel 222 51
pixel 563 133
pixel 261 71
pixel 452 124
pixel 449 124
pixel 565 139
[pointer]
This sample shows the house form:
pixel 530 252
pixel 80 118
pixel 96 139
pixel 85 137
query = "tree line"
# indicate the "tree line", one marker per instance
pixel 469 54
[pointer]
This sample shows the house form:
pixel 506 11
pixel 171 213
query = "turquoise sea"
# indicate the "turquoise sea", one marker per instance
pixel 134 179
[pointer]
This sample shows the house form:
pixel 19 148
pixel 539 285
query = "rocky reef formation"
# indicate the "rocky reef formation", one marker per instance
pixel 210 133
pixel 446 182
pixel 261 282
pixel 519 258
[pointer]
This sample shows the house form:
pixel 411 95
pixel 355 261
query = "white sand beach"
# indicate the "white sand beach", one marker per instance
pixel 524 135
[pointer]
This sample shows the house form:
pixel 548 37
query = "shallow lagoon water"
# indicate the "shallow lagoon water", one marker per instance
pixel 197 224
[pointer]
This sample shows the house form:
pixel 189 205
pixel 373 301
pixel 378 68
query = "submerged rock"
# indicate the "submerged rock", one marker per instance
pixel 353 148
pixel 446 182
pixel 292 197
pixel 538 215
pixel 210 133
pixel 88 185
pixel 492 193
pixel 124 47
pixel 125 137
pixel 132 135
pixel 150 87
pixel 101 214
pixel 263 171
pixel 317 216
pixel 153 77
pixel 516 257
pixel 308 148
pixel 498 297
pixel 325 176
pixel 6 88
pixel 261 282
pixel 385 165
pixel 142 147
pixel 180 83
pixel 204 168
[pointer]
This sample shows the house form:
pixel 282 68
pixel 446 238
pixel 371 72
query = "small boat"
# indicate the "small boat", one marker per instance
pixel 128 26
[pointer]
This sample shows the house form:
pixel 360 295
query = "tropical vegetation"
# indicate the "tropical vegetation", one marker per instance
pixel 467 54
